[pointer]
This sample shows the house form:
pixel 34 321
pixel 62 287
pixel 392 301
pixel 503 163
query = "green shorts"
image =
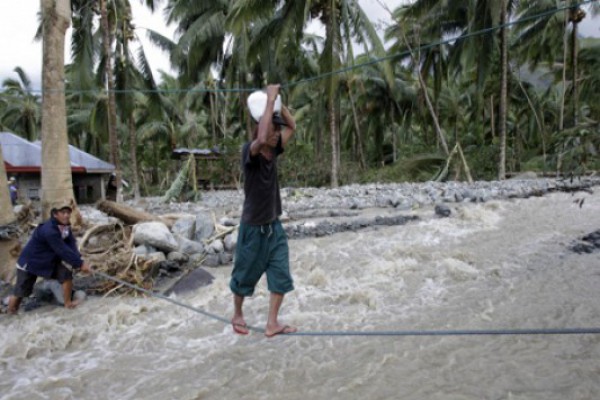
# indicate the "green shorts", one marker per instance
pixel 261 249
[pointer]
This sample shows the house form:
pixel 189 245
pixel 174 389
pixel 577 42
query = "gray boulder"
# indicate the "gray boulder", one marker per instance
pixel 196 259
pixel 185 227
pixel 216 247
pixel 157 257
pixel 204 227
pixel 155 234
pixel 197 278
pixel 212 260
pixel 225 258
pixel 144 249
pixel 189 247
pixel 442 210
pixel 178 257
pixel 230 241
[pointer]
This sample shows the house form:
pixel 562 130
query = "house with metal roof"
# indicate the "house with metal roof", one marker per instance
pixel 23 160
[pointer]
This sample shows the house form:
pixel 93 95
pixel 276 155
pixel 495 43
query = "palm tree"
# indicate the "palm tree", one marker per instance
pixel 21 113
pixel 542 38
pixel 107 27
pixel 93 49
pixel 7 247
pixel 201 26
pixel 342 19
pixel 461 18
pixel 6 211
pixel 503 110
pixel 57 184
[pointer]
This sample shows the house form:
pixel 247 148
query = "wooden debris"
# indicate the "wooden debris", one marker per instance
pixel 129 215
pixel 109 248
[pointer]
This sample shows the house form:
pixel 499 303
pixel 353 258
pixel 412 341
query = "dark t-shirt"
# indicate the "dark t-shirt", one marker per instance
pixel 262 202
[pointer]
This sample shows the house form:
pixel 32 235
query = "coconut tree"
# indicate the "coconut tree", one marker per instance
pixel 7 247
pixel 202 33
pixel 21 112
pixel 6 211
pixel 461 19
pixel 94 47
pixel 342 19
pixel 57 184
pixel 553 39
pixel 107 27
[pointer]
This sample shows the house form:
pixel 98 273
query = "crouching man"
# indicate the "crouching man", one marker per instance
pixel 51 253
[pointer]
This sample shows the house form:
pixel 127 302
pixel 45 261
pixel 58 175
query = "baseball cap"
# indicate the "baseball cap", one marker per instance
pixel 61 205
pixel 257 102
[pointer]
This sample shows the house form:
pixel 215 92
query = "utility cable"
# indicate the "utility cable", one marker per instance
pixel 342 70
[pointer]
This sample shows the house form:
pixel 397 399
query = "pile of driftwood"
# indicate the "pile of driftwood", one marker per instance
pixel 109 248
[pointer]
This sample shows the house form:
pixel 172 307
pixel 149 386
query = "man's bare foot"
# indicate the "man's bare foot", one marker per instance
pixel 72 304
pixel 239 326
pixel 271 331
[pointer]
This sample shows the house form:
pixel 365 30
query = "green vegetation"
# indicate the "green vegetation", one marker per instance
pixel 367 110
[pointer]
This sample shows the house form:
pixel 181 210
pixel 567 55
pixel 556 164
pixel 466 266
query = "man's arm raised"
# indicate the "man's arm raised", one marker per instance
pixel 263 124
pixel 287 132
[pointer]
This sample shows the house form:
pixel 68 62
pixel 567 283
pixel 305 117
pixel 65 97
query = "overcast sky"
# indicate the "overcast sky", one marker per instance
pixel 18 24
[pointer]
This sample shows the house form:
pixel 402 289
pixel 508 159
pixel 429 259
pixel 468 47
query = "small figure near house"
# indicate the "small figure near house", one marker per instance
pixel 51 253
pixel 13 189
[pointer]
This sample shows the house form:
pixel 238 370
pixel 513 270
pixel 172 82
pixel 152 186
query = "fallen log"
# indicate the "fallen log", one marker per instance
pixel 128 215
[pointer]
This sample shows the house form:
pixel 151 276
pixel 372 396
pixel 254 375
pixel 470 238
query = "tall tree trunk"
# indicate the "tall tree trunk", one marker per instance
pixel 331 109
pixel 8 248
pixel 561 114
pixel 133 154
pixel 212 97
pixel 57 181
pixel 357 141
pixel 438 130
pixel 503 91
pixel 6 211
pixel 575 84
pixel 112 108
pixel 334 143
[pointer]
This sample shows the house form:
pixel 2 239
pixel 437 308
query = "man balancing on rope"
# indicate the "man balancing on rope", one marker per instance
pixel 51 253
pixel 262 245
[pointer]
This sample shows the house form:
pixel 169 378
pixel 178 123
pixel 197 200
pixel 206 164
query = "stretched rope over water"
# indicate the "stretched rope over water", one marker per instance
pixel 458 332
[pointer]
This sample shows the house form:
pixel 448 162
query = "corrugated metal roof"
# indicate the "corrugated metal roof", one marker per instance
pixel 86 160
pixel 20 153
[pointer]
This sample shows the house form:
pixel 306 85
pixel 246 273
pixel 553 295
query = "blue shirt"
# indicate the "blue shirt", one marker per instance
pixel 47 248
pixel 13 194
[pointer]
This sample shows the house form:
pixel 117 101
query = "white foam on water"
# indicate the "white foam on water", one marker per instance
pixel 488 266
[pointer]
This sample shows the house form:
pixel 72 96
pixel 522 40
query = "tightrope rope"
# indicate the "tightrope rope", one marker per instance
pixel 458 332
pixel 170 300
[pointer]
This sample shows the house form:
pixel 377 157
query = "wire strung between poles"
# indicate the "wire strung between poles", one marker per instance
pixel 543 14
pixel 458 332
